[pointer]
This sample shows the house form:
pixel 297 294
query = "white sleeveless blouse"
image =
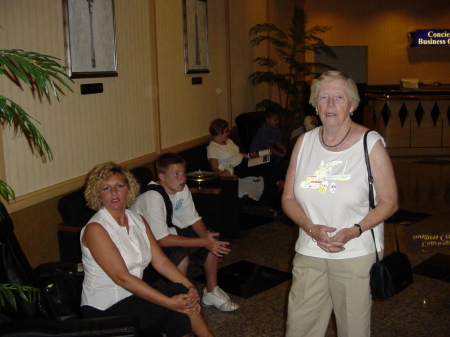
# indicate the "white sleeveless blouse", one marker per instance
pixel 99 290
pixel 332 189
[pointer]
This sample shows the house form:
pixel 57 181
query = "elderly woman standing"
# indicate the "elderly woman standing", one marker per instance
pixel 116 246
pixel 326 195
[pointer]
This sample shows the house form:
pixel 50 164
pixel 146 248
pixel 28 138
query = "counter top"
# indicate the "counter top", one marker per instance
pixel 431 93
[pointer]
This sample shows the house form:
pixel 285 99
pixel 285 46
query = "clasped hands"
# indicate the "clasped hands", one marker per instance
pixel 331 244
pixel 216 247
pixel 187 303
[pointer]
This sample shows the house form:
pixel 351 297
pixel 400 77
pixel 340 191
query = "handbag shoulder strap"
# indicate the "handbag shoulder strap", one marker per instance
pixel 369 172
pixel 371 193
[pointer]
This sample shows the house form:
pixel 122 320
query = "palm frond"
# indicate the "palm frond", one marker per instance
pixel 269 77
pixel 6 192
pixel 256 41
pixel 269 104
pixel 41 68
pixel 266 62
pixel 318 30
pixel 27 293
pixel 11 113
pixel 35 70
pixel 290 49
pixel 267 28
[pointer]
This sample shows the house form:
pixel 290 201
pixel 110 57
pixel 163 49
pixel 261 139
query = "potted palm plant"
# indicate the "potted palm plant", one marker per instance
pixel 37 71
pixel 290 48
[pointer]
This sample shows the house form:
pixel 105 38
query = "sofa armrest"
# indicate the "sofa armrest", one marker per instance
pixel 69 242
pixel 101 327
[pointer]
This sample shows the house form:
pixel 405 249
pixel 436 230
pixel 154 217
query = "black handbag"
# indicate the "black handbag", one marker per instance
pixel 393 273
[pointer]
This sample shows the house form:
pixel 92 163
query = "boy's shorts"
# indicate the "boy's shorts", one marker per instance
pixel 176 254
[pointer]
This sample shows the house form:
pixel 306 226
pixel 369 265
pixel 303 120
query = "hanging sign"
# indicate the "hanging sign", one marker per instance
pixel 429 37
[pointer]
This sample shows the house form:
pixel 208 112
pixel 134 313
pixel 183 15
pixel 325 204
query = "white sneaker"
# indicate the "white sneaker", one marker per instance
pixel 219 299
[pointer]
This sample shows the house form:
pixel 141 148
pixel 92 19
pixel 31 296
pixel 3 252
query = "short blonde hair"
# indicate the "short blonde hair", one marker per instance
pixel 97 178
pixel 332 75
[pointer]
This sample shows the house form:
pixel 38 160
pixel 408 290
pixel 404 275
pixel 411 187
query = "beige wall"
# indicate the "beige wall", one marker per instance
pixel 185 109
pixel 82 130
pixel 244 14
pixel 151 106
pixel 383 26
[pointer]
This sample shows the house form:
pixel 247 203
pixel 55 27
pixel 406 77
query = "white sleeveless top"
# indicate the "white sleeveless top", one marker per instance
pixel 226 155
pixel 99 290
pixel 333 190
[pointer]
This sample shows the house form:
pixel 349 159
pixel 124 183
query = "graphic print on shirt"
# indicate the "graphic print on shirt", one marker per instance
pixel 323 177
pixel 179 204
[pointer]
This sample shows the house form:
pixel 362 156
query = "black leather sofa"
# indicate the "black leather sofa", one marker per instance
pixel 53 315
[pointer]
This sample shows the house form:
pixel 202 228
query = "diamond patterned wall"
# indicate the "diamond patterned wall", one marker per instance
pixel 411 124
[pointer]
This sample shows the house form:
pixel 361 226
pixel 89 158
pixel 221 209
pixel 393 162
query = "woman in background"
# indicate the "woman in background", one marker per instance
pixel 326 195
pixel 117 245
pixel 224 158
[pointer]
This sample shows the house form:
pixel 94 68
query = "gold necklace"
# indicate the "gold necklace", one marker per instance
pixel 340 141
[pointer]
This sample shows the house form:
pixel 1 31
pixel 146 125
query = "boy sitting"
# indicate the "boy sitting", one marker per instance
pixel 269 136
pixel 168 207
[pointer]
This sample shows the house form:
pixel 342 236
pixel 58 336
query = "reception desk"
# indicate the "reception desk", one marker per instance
pixel 411 122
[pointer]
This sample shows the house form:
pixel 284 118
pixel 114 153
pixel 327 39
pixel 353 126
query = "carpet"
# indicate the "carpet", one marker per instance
pixel 246 279
pixel 436 267
pixel 407 218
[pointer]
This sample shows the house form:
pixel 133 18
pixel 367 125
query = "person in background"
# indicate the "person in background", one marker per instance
pixel 224 156
pixel 269 137
pixel 309 123
pixel 169 209
pixel 117 245
pixel 326 195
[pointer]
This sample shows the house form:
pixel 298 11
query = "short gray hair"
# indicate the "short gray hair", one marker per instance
pixel 332 75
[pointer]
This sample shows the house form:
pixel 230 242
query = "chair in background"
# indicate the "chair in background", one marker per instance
pixel 248 124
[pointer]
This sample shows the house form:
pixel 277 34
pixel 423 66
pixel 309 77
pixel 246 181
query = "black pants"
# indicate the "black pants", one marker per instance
pixel 153 319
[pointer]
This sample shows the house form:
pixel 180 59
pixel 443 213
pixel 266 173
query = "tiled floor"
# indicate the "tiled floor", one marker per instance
pixel 423 309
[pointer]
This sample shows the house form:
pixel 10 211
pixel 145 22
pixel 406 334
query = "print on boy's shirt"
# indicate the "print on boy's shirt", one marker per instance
pixel 322 178
pixel 179 204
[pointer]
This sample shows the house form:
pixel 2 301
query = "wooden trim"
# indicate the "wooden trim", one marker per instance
pixel 205 190
pixel 187 145
pixel 73 184
pixel 66 186
pixel 153 52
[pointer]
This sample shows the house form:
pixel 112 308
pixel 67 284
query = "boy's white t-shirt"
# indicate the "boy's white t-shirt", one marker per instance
pixel 152 207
